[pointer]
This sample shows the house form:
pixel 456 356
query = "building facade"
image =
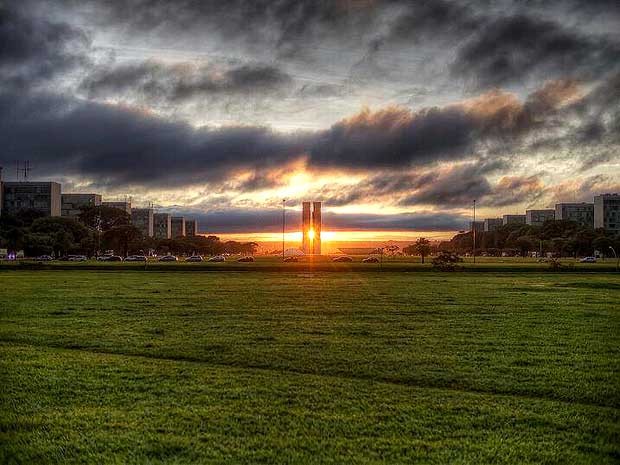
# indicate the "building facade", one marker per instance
pixel 40 196
pixel 191 228
pixel 121 205
pixel 607 212
pixel 493 224
pixel 478 226
pixel 142 218
pixel 72 204
pixel 311 224
pixel 513 219
pixel 538 217
pixel 316 226
pixel 177 226
pixel 162 225
pixel 582 213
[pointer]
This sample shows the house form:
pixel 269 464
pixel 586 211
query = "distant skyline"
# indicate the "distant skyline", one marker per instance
pixel 396 114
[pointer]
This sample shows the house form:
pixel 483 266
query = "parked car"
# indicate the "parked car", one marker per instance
pixel 370 260
pixel 291 259
pixel 114 258
pixel 343 258
pixel 246 259
pixel 588 260
pixel 77 258
pixel 194 258
pixel 136 258
pixel 217 258
pixel 168 258
pixel 44 258
pixel 103 258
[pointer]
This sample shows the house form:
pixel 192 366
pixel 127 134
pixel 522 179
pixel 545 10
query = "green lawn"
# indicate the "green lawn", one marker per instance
pixel 297 367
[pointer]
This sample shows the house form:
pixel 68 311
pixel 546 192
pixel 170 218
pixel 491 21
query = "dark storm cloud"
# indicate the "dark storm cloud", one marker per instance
pixel 270 220
pixel 509 49
pixel 118 146
pixel 181 82
pixel 34 50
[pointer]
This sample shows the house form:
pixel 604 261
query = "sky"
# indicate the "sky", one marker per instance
pixel 397 114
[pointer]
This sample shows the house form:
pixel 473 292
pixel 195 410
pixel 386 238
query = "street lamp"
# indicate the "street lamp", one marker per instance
pixel 617 259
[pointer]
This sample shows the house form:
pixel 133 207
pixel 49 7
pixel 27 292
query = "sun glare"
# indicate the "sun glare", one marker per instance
pixel 311 234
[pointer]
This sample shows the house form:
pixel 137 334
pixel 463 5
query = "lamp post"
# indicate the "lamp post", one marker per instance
pixel 283 224
pixel 617 259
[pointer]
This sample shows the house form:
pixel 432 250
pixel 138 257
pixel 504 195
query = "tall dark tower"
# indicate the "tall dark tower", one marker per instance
pixel 306 226
pixel 316 226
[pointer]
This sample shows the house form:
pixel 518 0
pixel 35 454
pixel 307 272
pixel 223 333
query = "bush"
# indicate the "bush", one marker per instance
pixel 447 261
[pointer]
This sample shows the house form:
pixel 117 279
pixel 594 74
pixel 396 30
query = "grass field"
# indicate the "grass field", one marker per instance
pixel 297 367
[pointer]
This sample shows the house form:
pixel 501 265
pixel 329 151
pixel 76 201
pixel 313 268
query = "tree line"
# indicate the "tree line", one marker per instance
pixel 100 229
pixel 561 238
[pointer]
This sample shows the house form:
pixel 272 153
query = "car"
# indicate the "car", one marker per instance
pixel 168 258
pixel 103 258
pixel 114 258
pixel 291 259
pixel 246 259
pixel 77 258
pixel 370 260
pixel 136 258
pixel 588 260
pixel 217 258
pixel 343 258
pixel 44 258
pixel 194 258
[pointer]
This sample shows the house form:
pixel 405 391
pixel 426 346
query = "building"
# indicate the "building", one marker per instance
pixel 162 225
pixel 142 218
pixel 311 223
pixel 492 224
pixel 41 196
pixel 513 219
pixel 191 227
pixel 582 213
pixel 477 225
pixel 121 205
pixel 538 217
pixel 316 226
pixel 177 226
pixel 72 204
pixel 607 212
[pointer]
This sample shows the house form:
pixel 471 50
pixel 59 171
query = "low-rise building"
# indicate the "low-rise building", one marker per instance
pixel 162 225
pixel 121 205
pixel 177 226
pixel 607 212
pixel 513 219
pixel 142 218
pixel 40 196
pixel 72 204
pixel 493 224
pixel 538 217
pixel 478 226
pixel 582 213
pixel 191 228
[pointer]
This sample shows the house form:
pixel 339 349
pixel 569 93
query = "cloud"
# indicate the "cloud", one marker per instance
pixel 510 49
pixel 270 220
pixel 35 50
pixel 175 83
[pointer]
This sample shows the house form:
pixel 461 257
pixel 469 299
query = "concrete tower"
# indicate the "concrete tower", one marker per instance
pixel 316 225
pixel 306 226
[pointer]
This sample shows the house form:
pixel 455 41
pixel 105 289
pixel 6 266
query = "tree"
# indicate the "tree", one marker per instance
pixel 422 247
pixel 119 237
